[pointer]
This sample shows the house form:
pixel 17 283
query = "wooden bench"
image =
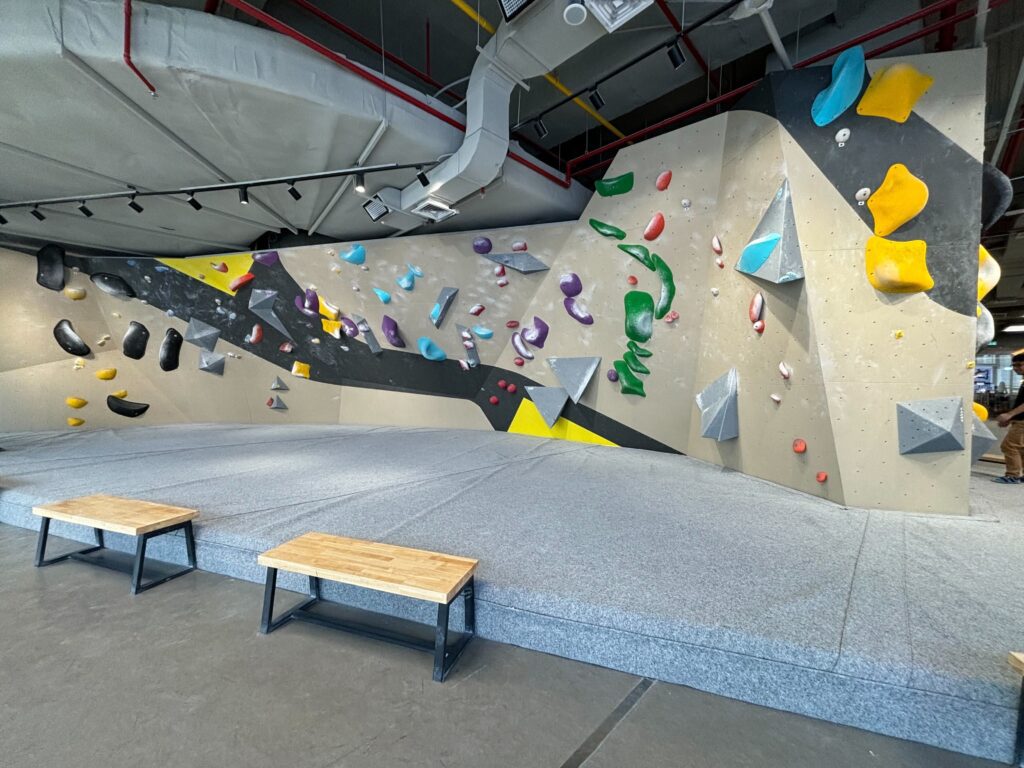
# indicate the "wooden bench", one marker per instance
pixel 415 573
pixel 141 519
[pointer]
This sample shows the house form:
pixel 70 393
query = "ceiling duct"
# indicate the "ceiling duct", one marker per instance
pixel 512 8
pixel 614 13
pixel 535 44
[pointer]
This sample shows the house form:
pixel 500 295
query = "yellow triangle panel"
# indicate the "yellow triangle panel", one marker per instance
pixel 528 421
pixel 202 268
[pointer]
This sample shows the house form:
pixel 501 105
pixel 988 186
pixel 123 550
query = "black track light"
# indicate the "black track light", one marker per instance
pixel 360 183
pixel 676 55
pixel 596 100
pixel 424 179
pixel 540 128
pixel 84 209
pixel 2 219
pixel 193 202
pixel 134 205
pixel 296 195
pixel 38 214
pixel 243 195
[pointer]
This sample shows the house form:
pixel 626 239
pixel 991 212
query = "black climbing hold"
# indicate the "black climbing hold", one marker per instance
pixel 170 349
pixel 113 284
pixel 135 339
pixel 996 195
pixel 50 267
pixel 123 407
pixel 70 341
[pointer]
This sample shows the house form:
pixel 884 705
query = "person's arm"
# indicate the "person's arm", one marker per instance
pixel 1006 418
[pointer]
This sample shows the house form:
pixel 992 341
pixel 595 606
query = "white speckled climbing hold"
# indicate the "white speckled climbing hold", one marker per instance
pixel 842 136
pixel 714 291
pixel 862 195
pixel 784 370
pixel 720 263
pixel 775 398
pixel 716 245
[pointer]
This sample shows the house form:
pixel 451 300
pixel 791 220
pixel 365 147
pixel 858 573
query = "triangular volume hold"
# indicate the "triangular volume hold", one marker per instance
pixel 574 373
pixel 773 251
pixel 930 426
pixel 549 401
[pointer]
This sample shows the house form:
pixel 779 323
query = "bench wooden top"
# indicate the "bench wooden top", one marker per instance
pixel 400 570
pixel 1017 661
pixel 112 513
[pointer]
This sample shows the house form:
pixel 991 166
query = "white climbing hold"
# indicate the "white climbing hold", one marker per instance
pixel 842 136
pixel 716 245
pixel 685 202
pixel 862 195
pixel 714 291
pixel 785 370
pixel 775 398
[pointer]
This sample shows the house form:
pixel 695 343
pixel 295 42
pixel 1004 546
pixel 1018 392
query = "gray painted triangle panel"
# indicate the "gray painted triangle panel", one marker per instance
pixel 549 401
pixel 520 261
pixel 202 334
pixel 211 362
pixel 278 404
pixel 574 373
pixel 982 439
pixel 279 385
pixel 719 413
pixel 930 426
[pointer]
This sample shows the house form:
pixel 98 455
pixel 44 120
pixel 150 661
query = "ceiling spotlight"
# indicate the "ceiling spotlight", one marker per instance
pixel 84 209
pixel 243 195
pixel 575 13
pixel 193 202
pixel 37 213
pixel 676 55
pixel 596 100
pixel 540 128
pixel 2 219
pixel 422 176
pixel 360 183
pixel 296 195
pixel 134 205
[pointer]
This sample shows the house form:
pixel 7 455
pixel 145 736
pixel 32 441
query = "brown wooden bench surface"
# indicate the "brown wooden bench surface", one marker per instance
pixel 1017 661
pixel 415 573
pixel 113 513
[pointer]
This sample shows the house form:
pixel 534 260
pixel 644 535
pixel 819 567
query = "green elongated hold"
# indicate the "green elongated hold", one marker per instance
pixel 639 315
pixel 668 287
pixel 635 365
pixel 629 384
pixel 640 253
pixel 639 351
pixel 616 185
pixel 608 230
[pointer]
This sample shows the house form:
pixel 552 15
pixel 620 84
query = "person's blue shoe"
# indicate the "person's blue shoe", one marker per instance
pixel 1007 480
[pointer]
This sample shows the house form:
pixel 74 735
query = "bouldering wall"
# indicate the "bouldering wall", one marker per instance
pixel 773 289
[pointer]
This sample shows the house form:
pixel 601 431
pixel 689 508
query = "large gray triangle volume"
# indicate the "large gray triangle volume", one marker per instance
pixel 211 362
pixel 574 373
pixel 981 439
pixel 785 264
pixel 930 426
pixel 719 415
pixel 202 334
pixel 261 303
pixel 549 401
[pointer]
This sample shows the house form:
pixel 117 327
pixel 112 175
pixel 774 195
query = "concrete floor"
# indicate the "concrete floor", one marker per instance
pixel 91 676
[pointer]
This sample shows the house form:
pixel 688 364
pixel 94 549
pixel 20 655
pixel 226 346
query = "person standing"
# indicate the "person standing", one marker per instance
pixel 1013 443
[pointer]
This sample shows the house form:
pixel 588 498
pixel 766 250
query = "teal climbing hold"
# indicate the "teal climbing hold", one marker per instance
pixel 430 350
pixel 354 255
pixel 842 92
pixel 639 316
pixel 482 332
pixel 408 280
pixel 384 296
pixel 756 252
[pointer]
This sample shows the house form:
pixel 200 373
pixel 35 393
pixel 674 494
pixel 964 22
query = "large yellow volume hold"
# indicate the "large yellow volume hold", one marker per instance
pixel 893 92
pixel 897 267
pixel 75 402
pixel 106 374
pixel 980 411
pixel 988 272
pixel 899 199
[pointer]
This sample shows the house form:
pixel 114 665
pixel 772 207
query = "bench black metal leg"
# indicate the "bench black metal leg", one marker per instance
pixel 267 621
pixel 314 587
pixel 1018 746
pixel 190 544
pixel 140 557
pixel 44 532
pixel 441 643
pixel 268 601
pixel 469 604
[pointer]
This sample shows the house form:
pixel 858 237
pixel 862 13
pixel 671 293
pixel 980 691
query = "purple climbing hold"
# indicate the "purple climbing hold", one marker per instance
pixel 570 284
pixel 578 312
pixel 612 374
pixel 390 328
pixel 349 327
pixel 308 304
pixel 266 258
pixel 482 245
pixel 537 333
pixel 520 347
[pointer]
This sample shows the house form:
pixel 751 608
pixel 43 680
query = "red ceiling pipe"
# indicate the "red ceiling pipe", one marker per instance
pixel 211 6
pixel 947 35
pixel 365 74
pixel 663 4
pixel 128 47
pixel 925 31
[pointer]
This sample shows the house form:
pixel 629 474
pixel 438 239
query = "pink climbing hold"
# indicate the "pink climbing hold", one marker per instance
pixel 655 227
pixel 270 402
pixel 759 326
pixel 672 316
pixel 512 324
pixel 785 371
pixel 719 263
pixel 493 400
pixel 799 446
pixel 663 180
pixel 476 309
pixel 464 365
pixel 499 271
pixel 502 282
pixel 511 389
pixel 519 361
pixel 756 309
pixel 716 245
pixel 519 245
pixel 222 267
pixel 821 477
pixel 502 384
pixel 632 280
pixel 286 346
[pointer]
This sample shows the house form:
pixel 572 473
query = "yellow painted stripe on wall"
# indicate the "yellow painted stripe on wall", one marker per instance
pixel 528 421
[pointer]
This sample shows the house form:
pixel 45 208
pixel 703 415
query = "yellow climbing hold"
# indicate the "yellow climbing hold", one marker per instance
pixel 899 199
pixel 106 374
pixel 73 422
pixel 988 273
pixel 970 364
pixel 75 402
pixel 122 393
pixel 300 369
pixel 75 294
pixel 898 334
pixel 328 310
pixel 897 267
pixel 237 265
pixel 332 327
pixel 893 92
pixel 980 411
pixel 528 421
pixel 79 363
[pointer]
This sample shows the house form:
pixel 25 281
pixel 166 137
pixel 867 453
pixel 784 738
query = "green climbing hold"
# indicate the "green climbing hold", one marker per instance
pixel 629 384
pixel 608 230
pixel 639 315
pixel 668 286
pixel 640 253
pixel 635 365
pixel 637 350
pixel 616 185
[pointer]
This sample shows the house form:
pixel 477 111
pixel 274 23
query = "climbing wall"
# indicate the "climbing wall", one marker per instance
pixel 789 289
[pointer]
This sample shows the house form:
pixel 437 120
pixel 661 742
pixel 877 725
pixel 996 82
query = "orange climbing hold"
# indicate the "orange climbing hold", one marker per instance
pixel 799 445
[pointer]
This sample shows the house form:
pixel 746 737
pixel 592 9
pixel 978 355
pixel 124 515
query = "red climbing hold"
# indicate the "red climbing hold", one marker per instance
pixel 241 280
pixel 270 401
pixel 493 399
pixel 499 271
pixel 512 324
pixel 256 335
pixel 502 282
pixel 821 477
pixel 502 383
pixel 519 361
pixel 222 267
pixel 655 227
pixel 476 309
pixel 286 346
pixel 756 309
pixel 759 326
pixel 799 445
pixel 632 280
pixel 663 180
pixel 511 389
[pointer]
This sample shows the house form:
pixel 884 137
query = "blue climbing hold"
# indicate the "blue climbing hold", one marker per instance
pixel 435 314
pixel 756 253
pixel 354 255
pixel 384 296
pixel 430 350
pixel 482 332
pixel 842 92
pixel 408 280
